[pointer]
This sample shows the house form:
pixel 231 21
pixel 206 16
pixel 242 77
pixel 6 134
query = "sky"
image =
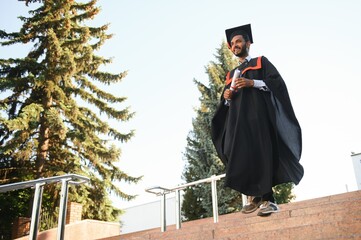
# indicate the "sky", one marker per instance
pixel 165 44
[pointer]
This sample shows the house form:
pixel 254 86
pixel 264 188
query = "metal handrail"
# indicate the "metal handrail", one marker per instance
pixel 161 191
pixel 39 185
pixel 32 183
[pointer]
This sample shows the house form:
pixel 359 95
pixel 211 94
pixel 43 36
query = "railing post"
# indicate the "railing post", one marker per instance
pixel 178 209
pixel 163 212
pixel 161 191
pixel 34 225
pixel 214 199
pixel 244 200
pixel 39 184
pixel 62 208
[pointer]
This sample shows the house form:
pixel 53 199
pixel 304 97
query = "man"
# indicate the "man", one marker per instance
pixel 255 130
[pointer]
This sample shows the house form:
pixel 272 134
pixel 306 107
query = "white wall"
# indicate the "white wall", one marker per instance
pixel 147 216
pixel 356 159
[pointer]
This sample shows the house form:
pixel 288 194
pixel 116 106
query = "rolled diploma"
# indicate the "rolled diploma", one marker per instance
pixel 236 75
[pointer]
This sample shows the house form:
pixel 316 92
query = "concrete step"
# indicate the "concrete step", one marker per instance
pixel 332 217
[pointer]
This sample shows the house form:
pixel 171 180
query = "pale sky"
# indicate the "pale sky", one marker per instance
pixel 165 44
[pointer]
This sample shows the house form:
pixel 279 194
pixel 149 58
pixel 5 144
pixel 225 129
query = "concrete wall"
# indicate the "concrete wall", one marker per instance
pixel 86 229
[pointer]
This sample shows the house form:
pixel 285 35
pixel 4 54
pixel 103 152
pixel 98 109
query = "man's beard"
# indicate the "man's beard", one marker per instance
pixel 243 52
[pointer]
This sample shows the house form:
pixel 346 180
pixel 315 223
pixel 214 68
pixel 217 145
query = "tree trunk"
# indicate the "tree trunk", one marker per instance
pixel 43 146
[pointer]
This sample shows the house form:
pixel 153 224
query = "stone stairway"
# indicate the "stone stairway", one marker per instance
pixel 331 217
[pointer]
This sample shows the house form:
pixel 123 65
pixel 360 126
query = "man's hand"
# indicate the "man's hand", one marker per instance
pixel 227 94
pixel 239 83
pixel 243 82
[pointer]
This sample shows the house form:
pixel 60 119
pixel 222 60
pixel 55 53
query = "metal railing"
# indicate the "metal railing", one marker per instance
pixel 161 191
pixel 39 185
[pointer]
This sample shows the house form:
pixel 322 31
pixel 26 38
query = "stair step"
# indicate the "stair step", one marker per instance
pixel 332 217
pixel 333 230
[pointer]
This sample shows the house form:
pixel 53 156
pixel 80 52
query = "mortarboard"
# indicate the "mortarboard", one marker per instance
pixel 245 29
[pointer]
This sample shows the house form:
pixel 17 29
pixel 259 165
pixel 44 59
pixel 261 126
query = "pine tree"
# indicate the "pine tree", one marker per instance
pixel 200 155
pixel 54 112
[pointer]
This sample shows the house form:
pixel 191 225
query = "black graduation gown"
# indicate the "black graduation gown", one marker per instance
pixel 258 137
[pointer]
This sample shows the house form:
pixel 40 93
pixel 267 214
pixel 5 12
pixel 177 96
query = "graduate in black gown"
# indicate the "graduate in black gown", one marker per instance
pixel 255 130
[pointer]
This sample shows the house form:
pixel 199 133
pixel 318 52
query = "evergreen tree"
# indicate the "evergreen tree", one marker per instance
pixel 283 193
pixel 200 155
pixel 53 111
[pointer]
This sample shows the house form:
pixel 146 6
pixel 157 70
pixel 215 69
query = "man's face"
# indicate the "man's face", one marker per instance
pixel 239 46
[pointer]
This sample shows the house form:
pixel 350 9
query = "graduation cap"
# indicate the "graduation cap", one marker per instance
pixel 241 30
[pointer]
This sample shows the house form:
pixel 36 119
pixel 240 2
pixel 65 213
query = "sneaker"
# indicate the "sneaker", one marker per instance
pixel 267 208
pixel 252 204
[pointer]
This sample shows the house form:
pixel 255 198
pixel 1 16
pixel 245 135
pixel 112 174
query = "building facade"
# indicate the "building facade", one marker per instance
pixel 356 160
